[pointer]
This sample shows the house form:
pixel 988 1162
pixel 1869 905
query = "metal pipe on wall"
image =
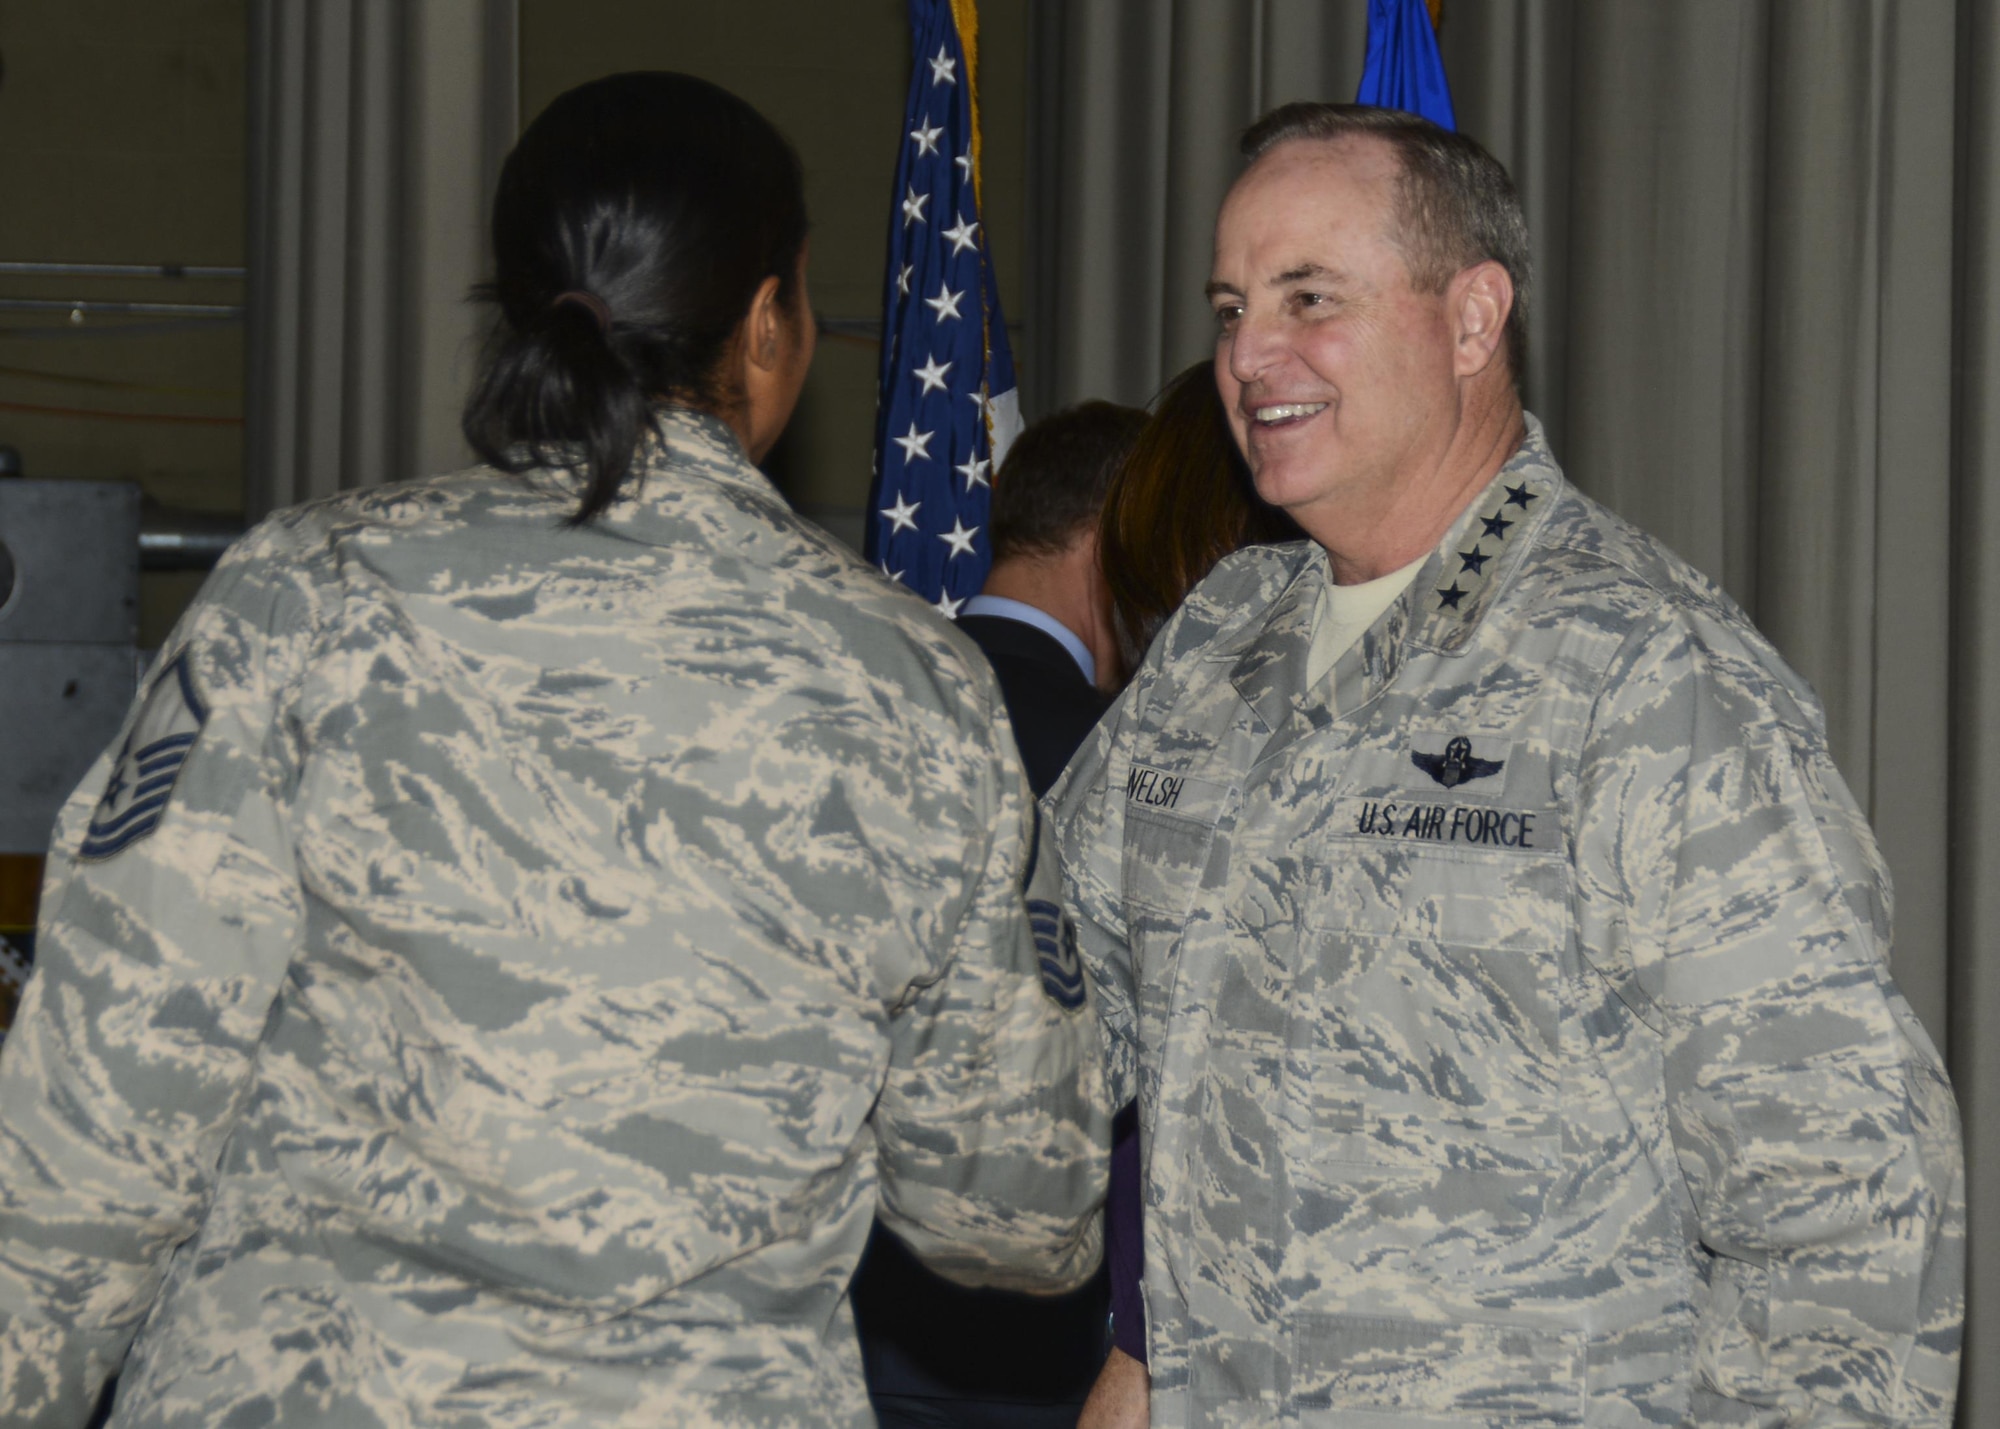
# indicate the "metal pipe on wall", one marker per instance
pixel 122 270
pixel 74 306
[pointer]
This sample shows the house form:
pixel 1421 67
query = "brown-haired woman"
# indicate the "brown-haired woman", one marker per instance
pixel 1180 503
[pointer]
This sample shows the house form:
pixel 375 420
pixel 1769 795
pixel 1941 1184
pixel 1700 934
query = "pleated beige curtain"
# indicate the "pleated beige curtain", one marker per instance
pixel 1766 327
pixel 376 132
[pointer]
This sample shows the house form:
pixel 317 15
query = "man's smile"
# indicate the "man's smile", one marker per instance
pixel 1285 413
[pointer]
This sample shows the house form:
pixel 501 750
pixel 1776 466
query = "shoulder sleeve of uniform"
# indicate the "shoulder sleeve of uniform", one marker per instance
pixel 170 914
pixel 993 1128
pixel 1732 894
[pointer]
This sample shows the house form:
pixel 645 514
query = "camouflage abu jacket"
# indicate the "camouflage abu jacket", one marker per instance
pixel 1513 1029
pixel 508 965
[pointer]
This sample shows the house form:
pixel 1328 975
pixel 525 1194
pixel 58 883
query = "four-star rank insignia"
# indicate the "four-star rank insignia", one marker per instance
pixel 1494 526
pixel 162 737
pixel 1457 765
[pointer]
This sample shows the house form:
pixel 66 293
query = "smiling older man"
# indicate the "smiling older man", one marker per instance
pixel 1498 958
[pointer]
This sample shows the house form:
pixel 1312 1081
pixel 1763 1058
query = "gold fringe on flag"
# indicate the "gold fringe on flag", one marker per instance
pixel 965 14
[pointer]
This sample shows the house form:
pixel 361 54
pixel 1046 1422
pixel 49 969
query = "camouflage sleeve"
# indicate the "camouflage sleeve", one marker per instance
pixel 993 1131
pixel 1086 824
pixel 1733 897
pixel 170 913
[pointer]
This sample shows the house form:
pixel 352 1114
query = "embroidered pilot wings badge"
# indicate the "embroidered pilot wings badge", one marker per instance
pixel 162 737
pixel 1457 765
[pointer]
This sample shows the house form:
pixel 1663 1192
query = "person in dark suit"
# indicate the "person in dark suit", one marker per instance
pixel 1043 617
pixel 937 1355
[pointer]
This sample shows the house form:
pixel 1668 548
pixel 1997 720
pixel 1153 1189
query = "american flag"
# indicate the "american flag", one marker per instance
pixel 947 407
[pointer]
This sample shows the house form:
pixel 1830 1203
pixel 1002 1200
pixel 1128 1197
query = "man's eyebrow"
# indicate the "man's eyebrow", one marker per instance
pixel 1304 271
pixel 1299 274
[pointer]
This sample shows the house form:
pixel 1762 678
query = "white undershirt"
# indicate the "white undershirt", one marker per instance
pixel 1345 611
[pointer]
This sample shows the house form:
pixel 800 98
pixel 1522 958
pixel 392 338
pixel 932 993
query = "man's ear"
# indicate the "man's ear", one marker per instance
pixel 1479 298
pixel 761 326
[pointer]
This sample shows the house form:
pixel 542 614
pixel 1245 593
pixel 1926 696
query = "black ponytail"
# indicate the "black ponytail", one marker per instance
pixel 634 223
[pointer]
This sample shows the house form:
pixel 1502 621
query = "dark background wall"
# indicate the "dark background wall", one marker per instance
pixel 121 141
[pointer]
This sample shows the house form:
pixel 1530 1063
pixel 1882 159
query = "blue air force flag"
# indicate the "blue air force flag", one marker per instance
pixel 135 797
pixel 1404 69
pixel 947 408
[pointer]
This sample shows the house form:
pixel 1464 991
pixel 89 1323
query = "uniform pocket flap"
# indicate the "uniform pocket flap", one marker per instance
pixel 1495 1371
pixel 1169 826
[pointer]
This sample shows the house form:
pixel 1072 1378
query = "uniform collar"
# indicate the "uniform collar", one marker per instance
pixel 1440 611
pixel 687 446
pixel 1270 671
pixel 1001 608
pixel 1485 547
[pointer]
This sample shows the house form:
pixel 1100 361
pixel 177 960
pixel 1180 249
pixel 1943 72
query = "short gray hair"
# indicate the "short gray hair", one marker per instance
pixel 1455 204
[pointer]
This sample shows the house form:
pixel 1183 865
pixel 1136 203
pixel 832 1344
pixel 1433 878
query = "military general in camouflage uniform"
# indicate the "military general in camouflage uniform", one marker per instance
pixel 1506 987
pixel 510 960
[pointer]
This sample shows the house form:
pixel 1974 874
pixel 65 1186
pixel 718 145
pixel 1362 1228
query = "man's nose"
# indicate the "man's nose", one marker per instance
pixel 1252 347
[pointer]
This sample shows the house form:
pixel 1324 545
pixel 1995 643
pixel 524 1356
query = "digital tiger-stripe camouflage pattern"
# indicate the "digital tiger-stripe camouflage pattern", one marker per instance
pixel 1511 1015
pixel 554 947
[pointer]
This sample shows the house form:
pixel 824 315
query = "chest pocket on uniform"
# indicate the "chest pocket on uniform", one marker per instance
pixel 1170 823
pixel 1431 975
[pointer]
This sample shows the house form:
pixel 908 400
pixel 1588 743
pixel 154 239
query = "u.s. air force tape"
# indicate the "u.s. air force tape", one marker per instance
pixel 1404 818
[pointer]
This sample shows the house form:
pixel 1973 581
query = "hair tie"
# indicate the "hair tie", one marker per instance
pixel 590 302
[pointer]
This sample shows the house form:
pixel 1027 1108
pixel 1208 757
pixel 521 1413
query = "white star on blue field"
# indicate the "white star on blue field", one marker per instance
pixel 944 350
